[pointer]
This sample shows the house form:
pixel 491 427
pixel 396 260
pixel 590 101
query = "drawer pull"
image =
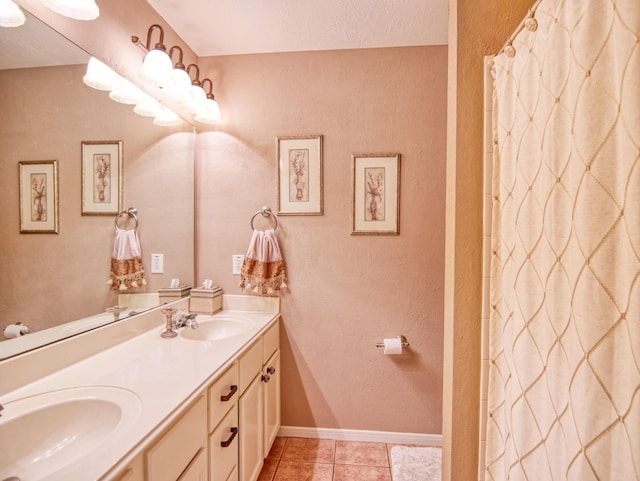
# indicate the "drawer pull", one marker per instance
pixel 271 370
pixel 227 443
pixel 226 397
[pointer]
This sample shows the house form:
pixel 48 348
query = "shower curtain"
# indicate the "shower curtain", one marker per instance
pixel 564 369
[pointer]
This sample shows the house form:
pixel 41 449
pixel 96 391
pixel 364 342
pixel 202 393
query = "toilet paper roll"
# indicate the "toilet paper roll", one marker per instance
pixel 393 346
pixel 15 330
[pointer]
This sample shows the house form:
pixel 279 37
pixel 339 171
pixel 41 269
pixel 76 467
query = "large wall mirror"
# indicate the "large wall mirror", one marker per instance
pixel 50 279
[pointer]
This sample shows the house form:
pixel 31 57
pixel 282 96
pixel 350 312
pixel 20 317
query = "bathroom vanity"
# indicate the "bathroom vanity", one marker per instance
pixel 203 405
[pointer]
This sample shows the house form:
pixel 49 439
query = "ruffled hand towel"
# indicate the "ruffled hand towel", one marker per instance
pixel 263 268
pixel 127 270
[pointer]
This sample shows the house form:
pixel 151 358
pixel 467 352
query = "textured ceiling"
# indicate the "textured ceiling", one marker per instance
pixel 228 27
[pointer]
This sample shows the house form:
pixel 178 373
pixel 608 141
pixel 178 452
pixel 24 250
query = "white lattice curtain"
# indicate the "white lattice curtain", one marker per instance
pixel 564 375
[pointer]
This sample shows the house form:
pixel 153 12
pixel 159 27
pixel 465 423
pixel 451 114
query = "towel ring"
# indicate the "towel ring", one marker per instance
pixel 131 212
pixel 266 212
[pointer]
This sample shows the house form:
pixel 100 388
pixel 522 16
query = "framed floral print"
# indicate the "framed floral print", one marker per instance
pixel 299 175
pixel 38 197
pixel 102 177
pixel 376 194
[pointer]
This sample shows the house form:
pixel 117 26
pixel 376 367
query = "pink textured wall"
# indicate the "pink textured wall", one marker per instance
pixel 346 292
pixel 49 279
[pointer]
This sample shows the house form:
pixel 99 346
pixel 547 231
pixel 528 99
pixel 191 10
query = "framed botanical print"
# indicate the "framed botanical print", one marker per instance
pixel 102 177
pixel 299 175
pixel 376 194
pixel 38 197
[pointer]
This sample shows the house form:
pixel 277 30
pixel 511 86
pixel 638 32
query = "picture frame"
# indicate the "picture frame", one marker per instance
pixel 300 175
pixel 101 177
pixel 38 191
pixel 376 194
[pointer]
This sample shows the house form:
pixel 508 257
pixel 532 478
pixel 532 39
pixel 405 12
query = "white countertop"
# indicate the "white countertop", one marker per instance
pixel 165 374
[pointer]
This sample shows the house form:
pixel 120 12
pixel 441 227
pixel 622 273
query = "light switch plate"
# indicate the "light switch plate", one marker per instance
pixel 157 263
pixel 237 260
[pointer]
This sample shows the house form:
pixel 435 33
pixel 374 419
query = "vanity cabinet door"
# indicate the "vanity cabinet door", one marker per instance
pixel 251 430
pixel 197 470
pixel 271 398
pixel 175 450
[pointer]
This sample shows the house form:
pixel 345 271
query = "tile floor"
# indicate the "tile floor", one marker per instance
pixel 301 459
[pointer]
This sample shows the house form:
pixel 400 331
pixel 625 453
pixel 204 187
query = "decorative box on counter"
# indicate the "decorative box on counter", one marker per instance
pixel 206 301
pixel 168 294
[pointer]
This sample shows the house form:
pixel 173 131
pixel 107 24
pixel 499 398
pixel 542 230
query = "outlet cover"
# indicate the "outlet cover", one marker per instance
pixel 237 260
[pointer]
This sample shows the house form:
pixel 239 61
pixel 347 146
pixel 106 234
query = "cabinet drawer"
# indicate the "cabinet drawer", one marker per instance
pixel 271 341
pixel 223 459
pixel 250 365
pixel 223 394
pixel 175 450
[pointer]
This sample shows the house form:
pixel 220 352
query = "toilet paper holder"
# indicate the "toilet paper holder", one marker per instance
pixel 403 339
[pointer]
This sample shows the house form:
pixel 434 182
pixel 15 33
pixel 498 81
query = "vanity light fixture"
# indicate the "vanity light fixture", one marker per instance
pixel 148 107
pixel 198 95
pixel 126 93
pixel 157 67
pixel 180 91
pixel 100 76
pixel 210 111
pixel 167 117
pixel 10 14
pixel 76 9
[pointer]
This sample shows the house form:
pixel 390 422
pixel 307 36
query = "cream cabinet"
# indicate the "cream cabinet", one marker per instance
pixel 228 431
pixel 223 426
pixel 176 450
pixel 259 403
pixel 134 472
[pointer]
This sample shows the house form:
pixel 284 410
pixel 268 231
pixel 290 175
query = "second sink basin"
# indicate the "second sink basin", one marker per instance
pixel 43 434
pixel 218 327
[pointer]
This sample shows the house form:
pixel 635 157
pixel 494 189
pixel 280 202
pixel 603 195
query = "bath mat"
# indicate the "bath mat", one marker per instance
pixel 416 464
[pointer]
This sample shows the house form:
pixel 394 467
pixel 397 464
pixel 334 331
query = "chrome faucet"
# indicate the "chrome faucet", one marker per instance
pixel 186 320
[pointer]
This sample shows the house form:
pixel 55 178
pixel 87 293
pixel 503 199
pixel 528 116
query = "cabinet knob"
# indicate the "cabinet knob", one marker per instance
pixel 271 370
pixel 266 378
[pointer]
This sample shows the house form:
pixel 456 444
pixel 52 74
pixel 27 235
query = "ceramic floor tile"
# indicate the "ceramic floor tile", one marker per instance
pixel 302 471
pixel 347 472
pixel 362 453
pixel 277 448
pixel 312 450
pixel 268 469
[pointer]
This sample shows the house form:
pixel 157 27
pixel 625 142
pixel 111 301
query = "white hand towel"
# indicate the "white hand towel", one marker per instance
pixel 127 270
pixel 263 268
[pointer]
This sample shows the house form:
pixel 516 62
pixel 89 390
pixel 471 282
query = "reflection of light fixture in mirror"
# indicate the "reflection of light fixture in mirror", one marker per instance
pixel 76 9
pixel 149 107
pixel 210 112
pixel 167 118
pixel 10 14
pixel 99 76
pixel 198 95
pixel 180 90
pixel 126 93
pixel 157 67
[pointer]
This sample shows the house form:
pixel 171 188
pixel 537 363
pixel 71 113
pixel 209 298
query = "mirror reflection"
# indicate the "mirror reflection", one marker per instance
pixel 51 279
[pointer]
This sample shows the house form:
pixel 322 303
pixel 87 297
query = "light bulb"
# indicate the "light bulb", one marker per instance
pixel 100 76
pixel 10 14
pixel 76 9
pixel 157 69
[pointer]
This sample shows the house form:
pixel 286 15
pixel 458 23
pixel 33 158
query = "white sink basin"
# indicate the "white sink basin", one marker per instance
pixel 217 327
pixel 48 432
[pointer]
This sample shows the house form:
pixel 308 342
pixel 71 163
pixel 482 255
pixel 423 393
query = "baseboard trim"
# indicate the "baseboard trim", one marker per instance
pixel 361 435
